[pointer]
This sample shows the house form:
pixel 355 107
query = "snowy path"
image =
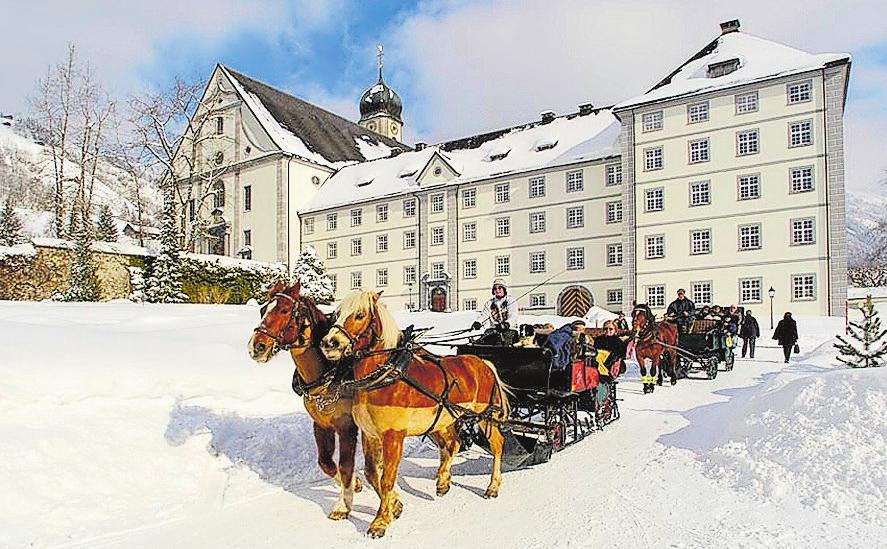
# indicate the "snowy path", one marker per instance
pixel 148 426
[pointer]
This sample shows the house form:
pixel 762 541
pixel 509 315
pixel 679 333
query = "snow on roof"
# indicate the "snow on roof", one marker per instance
pixel 574 138
pixel 120 248
pixel 758 59
pixel 26 250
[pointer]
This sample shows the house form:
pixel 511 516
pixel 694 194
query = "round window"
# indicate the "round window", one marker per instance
pixel 248 149
pixel 438 170
pixel 315 180
pixel 371 126
pixel 219 158
pixel 394 129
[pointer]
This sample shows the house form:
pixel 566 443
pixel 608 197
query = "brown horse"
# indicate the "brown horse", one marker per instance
pixel 654 340
pixel 428 396
pixel 293 322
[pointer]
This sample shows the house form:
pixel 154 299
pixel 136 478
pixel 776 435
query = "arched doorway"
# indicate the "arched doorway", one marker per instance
pixel 574 301
pixel 438 300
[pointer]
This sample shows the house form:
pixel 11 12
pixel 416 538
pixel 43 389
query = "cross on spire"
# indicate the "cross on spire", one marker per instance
pixel 379 54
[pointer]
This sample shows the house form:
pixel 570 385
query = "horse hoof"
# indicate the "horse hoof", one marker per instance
pixel 442 490
pixel 491 493
pixel 659 382
pixel 376 532
pixel 338 515
pixel 358 485
pixel 674 381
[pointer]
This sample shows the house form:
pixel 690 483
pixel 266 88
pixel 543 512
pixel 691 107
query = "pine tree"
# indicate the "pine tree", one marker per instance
pixel 164 285
pixel 873 346
pixel 10 226
pixel 83 285
pixel 311 274
pixel 105 228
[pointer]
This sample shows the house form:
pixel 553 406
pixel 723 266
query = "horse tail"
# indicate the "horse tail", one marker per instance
pixel 501 389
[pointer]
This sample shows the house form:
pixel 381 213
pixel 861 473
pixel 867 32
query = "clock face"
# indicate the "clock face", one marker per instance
pixel 394 129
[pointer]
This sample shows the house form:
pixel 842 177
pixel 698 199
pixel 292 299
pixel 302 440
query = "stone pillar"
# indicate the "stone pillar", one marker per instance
pixel 422 209
pixel 282 198
pixel 452 236
pixel 834 81
pixel 629 224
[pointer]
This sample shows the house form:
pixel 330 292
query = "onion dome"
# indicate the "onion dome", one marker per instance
pixel 380 99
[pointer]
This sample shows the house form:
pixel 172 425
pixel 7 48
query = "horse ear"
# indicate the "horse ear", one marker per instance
pixel 295 288
pixel 275 289
pixel 376 296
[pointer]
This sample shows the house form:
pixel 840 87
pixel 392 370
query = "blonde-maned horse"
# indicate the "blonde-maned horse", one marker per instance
pixel 293 322
pixel 386 413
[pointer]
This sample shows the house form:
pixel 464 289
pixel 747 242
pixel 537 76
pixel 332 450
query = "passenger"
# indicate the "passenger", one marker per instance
pixel 681 311
pixel 749 331
pixel 616 346
pixel 703 313
pixel 731 325
pixel 621 323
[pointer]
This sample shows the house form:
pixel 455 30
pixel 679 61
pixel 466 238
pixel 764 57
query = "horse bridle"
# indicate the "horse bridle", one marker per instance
pixel 649 330
pixel 372 338
pixel 298 307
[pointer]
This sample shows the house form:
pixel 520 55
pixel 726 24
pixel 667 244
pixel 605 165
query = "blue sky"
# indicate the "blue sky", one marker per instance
pixel 461 67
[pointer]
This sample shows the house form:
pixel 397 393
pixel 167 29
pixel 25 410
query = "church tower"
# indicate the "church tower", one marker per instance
pixel 380 108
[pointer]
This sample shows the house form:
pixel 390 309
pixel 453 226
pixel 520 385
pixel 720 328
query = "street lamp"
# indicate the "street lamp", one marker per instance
pixel 771 292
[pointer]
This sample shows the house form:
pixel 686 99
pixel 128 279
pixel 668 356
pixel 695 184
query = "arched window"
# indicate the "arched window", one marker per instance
pixel 219 194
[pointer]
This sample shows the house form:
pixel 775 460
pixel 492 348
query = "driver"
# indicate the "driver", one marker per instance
pixel 681 310
pixel 500 308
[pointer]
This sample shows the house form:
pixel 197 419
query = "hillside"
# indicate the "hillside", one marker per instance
pixel 864 211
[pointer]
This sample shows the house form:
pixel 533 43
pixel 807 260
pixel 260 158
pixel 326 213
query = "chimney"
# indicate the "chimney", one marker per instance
pixel 420 146
pixel 547 116
pixel 395 151
pixel 729 26
pixel 586 109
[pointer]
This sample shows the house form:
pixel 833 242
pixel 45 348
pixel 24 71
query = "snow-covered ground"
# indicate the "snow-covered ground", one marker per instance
pixel 125 425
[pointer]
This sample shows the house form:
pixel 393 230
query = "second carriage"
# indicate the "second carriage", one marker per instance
pixel 704 346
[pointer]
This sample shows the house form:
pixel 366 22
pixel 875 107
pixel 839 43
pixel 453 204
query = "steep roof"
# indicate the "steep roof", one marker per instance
pixel 565 140
pixel 758 59
pixel 306 130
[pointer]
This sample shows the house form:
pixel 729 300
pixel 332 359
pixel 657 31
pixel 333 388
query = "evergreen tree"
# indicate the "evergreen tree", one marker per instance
pixel 311 274
pixel 10 226
pixel 164 285
pixel 106 229
pixel 870 346
pixel 83 285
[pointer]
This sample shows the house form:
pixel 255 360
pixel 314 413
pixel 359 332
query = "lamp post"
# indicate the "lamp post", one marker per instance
pixel 412 306
pixel 771 292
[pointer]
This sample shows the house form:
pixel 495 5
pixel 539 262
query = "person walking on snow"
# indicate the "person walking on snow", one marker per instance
pixel 749 331
pixel 786 334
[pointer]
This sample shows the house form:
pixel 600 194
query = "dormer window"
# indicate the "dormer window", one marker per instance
pixel 407 172
pixel 722 68
pixel 498 153
pixel 545 144
pixel 363 182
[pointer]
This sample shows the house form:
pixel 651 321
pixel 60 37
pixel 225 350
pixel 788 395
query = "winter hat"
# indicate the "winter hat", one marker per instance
pixel 499 282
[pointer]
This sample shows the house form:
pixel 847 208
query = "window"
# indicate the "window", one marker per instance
pixel 655 200
pixel 503 265
pixel 537 262
pixel 220 125
pixel 800 133
pixel 381 277
pixel 247 237
pixel 309 225
pixel 747 102
pixel 652 121
pixel 503 226
pixel 356 280
pixel 437 203
pixel 803 287
pixel 192 209
pixel 614 255
pixel 698 151
pixel 469 231
pixel 575 181
pixel 537 300
pixel 469 268
pixel 356 217
pixel 614 175
pixel 356 246
pixel 747 142
pixel 332 221
pixel 469 198
pixel 437 270
pixel 614 212
pixel 537 222
pixel 575 217
pixel 750 237
pixel 749 186
pixel 653 159
pixel 219 194
pixel 799 92
pixel 697 112
pixel 437 236
pixel 332 250
pixel 409 239
pixel 700 241
pixel 701 292
pixel 656 295
pixel 722 68
pixel 409 274
pixel 801 179
pixel 700 193
pixel 655 246
pixel 247 198
pixel 575 258
pixel 501 191
pixel 750 290
pixel 537 187
pixel 381 213
pixel 409 208
pixel 469 304
pixel 614 297
pixel 803 231
pixel 382 243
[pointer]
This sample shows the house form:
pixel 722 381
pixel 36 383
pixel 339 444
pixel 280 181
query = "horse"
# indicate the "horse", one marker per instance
pixel 401 392
pixel 654 340
pixel 293 322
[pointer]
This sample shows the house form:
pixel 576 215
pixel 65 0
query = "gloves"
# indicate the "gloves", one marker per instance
pixel 476 325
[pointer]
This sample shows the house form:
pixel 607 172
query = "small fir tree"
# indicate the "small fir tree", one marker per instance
pixel 311 274
pixel 83 285
pixel 10 226
pixel 870 347
pixel 164 285
pixel 105 228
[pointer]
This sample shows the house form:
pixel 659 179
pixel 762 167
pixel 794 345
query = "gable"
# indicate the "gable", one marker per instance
pixel 436 170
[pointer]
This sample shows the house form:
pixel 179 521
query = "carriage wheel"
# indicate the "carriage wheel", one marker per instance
pixel 729 359
pixel 712 367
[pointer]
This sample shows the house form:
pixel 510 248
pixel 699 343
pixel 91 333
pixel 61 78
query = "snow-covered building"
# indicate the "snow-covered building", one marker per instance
pixel 726 179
